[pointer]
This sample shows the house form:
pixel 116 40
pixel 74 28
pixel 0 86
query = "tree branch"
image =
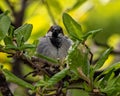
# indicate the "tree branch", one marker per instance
pixel 4 89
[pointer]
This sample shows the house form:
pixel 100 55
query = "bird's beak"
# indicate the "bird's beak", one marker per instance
pixel 49 33
pixel 60 35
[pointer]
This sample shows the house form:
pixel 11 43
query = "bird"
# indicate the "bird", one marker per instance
pixel 54 44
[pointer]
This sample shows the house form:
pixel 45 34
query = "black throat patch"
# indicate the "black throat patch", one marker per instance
pixel 57 42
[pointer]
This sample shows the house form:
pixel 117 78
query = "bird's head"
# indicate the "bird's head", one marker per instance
pixel 55 31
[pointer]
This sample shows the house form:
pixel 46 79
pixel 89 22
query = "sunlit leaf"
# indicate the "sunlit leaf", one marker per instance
pixel 12 78
pixel 86 35
pixel 102 59
pixel 73 28
pixel 113 67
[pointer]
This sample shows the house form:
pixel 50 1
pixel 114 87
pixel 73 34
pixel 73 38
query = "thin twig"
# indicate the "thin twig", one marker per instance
pixel 91 54
pixel 18 16
pixel 4 89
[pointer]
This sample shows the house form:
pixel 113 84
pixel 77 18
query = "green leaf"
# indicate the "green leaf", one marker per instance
pixel 40 83
pixel 57 77
pixel 36 42
pixel 73 28
pixel 73 57
pixel 86 35
pixel 78 57
pixel 7 47
pixel 23 33
pixel 12 78
pixel 118 83
pixel 54 79
pixel 106 79
pixel 4 26
pixel 11 31
pixel 8 41
pixel 102 59
pixel 32 51
pixel 47 58
pixel 4 14
pixel 112 68
pixel 111 84
pixel 27 46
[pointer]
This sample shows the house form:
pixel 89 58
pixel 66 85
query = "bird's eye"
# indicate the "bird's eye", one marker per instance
pixel 55 30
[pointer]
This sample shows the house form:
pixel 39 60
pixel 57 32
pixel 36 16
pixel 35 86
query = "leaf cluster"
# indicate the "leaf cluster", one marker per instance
pixel 14 39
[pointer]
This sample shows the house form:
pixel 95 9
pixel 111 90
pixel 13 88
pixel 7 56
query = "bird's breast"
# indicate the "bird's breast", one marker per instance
pixel 53 49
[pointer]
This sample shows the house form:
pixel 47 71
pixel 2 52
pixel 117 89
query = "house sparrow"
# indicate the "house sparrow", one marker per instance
pixel 54 45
